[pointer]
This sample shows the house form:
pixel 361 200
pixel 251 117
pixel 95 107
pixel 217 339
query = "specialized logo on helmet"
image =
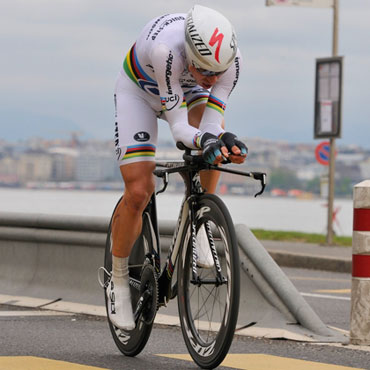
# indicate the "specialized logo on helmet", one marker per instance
pixel 216 38
pixel 197 40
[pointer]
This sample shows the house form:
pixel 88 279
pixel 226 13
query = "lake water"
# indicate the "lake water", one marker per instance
pixel 261 212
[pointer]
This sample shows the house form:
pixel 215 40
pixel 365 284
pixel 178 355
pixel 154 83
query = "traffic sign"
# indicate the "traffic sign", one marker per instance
pixel 322 153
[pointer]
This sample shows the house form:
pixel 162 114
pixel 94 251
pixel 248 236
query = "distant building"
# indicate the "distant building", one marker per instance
pixel 94 166
pixel 35 167
pixel 64 163
pixel 8 171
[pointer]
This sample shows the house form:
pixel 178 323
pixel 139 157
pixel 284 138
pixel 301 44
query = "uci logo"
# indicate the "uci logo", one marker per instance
pixel 142 136
pixel 169 102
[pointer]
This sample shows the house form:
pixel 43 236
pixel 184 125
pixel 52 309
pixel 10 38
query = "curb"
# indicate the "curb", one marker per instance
pixel 308 261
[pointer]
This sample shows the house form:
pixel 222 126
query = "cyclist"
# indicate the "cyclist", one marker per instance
pixel 182 68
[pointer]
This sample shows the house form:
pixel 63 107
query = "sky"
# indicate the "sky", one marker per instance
pixel 59 61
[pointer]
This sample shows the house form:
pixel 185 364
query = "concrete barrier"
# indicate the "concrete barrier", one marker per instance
pixel 57 258
pixel 360 300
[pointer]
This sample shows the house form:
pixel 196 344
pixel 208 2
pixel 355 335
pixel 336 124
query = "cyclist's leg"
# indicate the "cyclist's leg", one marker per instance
pixel 135 140
pixel 126 225
pixel 209 179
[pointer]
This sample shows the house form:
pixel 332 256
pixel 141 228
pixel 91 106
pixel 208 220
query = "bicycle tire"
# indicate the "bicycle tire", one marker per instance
pixel 208 332
pixel 132 342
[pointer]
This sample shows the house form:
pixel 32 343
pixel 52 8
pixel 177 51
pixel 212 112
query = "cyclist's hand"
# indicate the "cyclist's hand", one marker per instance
pixel 237 149
pixel 213 149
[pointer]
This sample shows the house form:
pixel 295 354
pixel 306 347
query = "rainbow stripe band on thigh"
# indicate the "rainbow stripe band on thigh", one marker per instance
pixel 140 150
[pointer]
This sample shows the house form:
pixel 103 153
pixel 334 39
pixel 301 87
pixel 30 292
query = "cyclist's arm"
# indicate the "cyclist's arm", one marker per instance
pixel 220 92
pixel 168 67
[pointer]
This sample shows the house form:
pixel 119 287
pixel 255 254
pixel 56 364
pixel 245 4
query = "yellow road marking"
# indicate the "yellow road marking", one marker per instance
pixel 36 363
pixel 267 362
pixel 333 291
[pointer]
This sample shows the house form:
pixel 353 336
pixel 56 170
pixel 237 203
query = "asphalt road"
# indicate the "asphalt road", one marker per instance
pixel 86 340
pixel 328 293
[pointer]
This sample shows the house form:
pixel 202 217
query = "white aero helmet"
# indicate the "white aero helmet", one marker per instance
pixel 210 41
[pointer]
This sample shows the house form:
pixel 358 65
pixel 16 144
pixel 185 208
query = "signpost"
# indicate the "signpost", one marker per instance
pixel 328 95
pixel 328 98
pixel 322 153
pixel 310 3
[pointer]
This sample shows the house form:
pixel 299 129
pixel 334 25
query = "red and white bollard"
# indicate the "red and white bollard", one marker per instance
pixel 360 308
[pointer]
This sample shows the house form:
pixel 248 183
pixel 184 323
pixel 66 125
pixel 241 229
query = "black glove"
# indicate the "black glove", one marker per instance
pixel 211 147
pixel 230 140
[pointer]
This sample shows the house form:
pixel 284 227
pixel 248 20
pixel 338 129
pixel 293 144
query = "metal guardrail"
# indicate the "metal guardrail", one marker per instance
pixel 58 256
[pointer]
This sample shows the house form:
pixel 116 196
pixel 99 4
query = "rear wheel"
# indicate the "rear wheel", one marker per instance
pixel 208 307
pixel 132 342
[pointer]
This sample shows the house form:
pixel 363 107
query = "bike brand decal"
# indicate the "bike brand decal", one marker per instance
pixel 112 299
pixel 202 211
pixel 196 180
pixel 203 351
pixel 195 254
pixel 228 271
pixel 216 38
pixel 174 237
pixel 142 136
pixel 213 247
pixel 155 248
pixel 122 336
pixel 197 40
pixel 135 284
pixel 164 24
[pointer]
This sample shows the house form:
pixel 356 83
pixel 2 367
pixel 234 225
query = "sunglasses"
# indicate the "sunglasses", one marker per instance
pixel 207 73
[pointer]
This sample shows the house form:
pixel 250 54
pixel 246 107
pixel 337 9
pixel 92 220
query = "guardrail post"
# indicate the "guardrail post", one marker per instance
pixel 360 301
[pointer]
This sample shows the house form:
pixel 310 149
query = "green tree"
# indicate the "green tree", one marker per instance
pixel 343 186
pixel 284 178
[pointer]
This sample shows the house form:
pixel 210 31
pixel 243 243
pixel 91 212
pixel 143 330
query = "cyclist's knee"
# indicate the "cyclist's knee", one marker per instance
pixel 139 185
pixel 137 195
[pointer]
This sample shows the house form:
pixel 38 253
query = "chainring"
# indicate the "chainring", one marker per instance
pixel 149 283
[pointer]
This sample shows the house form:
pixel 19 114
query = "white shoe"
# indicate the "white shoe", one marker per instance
pixel 119 304
pixel 205 258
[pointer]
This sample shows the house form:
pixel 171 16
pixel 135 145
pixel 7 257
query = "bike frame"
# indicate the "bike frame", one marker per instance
pixel 189 171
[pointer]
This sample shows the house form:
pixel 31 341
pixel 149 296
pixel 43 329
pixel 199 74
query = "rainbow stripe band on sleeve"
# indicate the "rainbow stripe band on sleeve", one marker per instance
pixel 199 99
pixel 216 104
pixel 137 74
pixel 140 150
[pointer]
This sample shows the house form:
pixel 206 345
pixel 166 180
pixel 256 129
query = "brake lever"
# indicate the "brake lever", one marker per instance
pixel 165 178
pixel 262 177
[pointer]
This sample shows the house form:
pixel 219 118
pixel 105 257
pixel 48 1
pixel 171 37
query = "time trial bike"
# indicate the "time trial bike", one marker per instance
pixel 208 298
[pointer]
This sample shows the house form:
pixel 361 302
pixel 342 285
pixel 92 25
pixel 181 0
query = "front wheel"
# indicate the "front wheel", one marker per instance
pixel 209 306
